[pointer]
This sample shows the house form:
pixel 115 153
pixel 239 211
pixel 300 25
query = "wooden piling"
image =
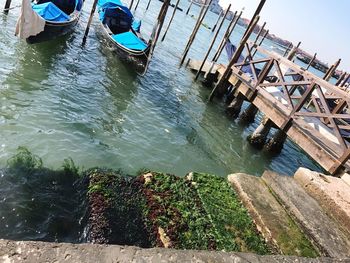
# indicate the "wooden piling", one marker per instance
pixel 261 41
pixel 248 115
pixel 256 13
pixel 189 7
pixel 149 2
pixel 331 70
pixel 259 136
pixel 89 22
pixel 288 49
pixel 345 80
pixel 275 144
pixel 341 78
pixel 131 3
pixel 227 35
pixel 212 42
pixel 311 61
pixel 204 11
pixel 234 59
pixel 235 106
pixel 171 19
pixel 137 4
pixel 293 52
pixel 217 21
pixel 7 6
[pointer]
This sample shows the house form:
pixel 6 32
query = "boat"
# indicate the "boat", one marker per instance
pixel 121 32
pixel 48 19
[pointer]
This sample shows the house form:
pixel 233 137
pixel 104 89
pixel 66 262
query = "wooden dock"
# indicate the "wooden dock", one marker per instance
pixel 309 110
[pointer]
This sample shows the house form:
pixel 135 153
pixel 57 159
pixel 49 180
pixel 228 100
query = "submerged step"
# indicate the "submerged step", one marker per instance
pixel 306 211
pixel 270 217
pixel 332 194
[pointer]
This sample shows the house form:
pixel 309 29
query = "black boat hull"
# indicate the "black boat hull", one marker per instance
pixel 52 31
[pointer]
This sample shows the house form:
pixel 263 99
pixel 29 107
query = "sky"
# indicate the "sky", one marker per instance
pixel 322 26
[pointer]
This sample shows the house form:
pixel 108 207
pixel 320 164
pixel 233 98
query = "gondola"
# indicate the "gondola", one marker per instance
pixel 121 32
pixel 58 16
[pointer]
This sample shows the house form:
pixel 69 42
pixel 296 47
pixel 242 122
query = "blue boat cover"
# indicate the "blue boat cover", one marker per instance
pixel 136 25
pixel 130 41
pixel 112 4
pixel 50 12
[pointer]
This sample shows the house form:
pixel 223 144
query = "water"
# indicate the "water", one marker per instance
pixel 60 100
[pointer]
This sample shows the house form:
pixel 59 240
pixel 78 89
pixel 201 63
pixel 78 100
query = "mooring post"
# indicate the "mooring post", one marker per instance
pixel 341 78
pixel 217 21
pixel 345 81
pixel 227 35
pixel 293 52
pixel 212 42
pixel 201 16
pixel 261 41
pixel 149 2
pixel 235 106
pixel 137 4
pixel 259 33
pixel 89 22
pixel 224 77
pixel 7 6
pixel 248 115
pixel 131 3
pixel 171 20
pixel 189 7
pixel 259 136
pixel 256 13
pixel 287 49
pixel 311 61
pixel 331 70
pixel 275 144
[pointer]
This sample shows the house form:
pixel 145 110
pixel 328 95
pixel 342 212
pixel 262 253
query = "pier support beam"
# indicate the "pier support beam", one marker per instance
pixel 275 144
pixel 248 115
pixel 259 136
pixel 235 106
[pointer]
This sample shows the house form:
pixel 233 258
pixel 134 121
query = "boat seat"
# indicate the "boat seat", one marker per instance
pixel 130 41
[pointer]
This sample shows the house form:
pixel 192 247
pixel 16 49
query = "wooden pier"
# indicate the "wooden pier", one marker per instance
pixel 312 112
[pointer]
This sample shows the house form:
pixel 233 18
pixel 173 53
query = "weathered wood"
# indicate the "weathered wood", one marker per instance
pixel 89 21
pixel 189 7
pixel 276 142
pixel 137 4
pixel 248 115
pixel 217 21
pixel 234 59
pixel 261 41
pixel 7 6
pixel 341 78
pixel 171 19
pixel 293 51
pixel 311 61
pixel 345 81
pixel 331 70
pixel 149 2
pixel 201 16
pixel 288 49
pixel 131 3
pixel 256 13
pixel 259 136
pixel 212 42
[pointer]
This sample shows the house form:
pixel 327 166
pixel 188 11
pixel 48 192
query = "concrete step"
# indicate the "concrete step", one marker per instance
pixel 270 217
pixel 320 228
pixel 332 194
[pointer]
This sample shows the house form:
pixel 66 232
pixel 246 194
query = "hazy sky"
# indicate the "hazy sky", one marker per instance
pixel 323 26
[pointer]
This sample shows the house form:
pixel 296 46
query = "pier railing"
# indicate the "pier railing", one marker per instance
pixel 301 95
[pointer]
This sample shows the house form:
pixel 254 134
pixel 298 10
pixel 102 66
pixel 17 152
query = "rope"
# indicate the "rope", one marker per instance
pixel 10 8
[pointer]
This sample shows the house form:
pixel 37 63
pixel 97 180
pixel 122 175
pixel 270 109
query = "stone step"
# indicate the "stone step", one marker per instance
pixel 270 217
pixel 332 194
pixel 320 228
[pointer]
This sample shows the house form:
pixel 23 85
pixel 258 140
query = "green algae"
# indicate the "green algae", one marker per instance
pixel 235 230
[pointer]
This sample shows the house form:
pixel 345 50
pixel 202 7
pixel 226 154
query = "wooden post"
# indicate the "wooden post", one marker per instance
pixel 149 1
pixel 288 48
pixel 212 42
pixel 259 33
pixel 7 6
pixel 311 61
pixel 234 59
pixel 275 144
pixel 189 7
pixel 248 115
pixel 259 136
pixel 217 21
pixel 89 22
pixel 293 51
pixel 171 19
pixel 257 12
pixel 345 81
pixel 261 41
pixel 227 35
pixel 131 3
pixel 195 30
pixel 137 4
pixel 235 106
pixel 331 70
pixel 341 78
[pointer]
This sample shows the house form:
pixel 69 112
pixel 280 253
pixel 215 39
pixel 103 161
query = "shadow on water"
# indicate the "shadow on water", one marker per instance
pixel 37 203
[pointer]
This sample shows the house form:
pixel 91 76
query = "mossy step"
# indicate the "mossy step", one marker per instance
pixel 270 217
pixel 323 231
